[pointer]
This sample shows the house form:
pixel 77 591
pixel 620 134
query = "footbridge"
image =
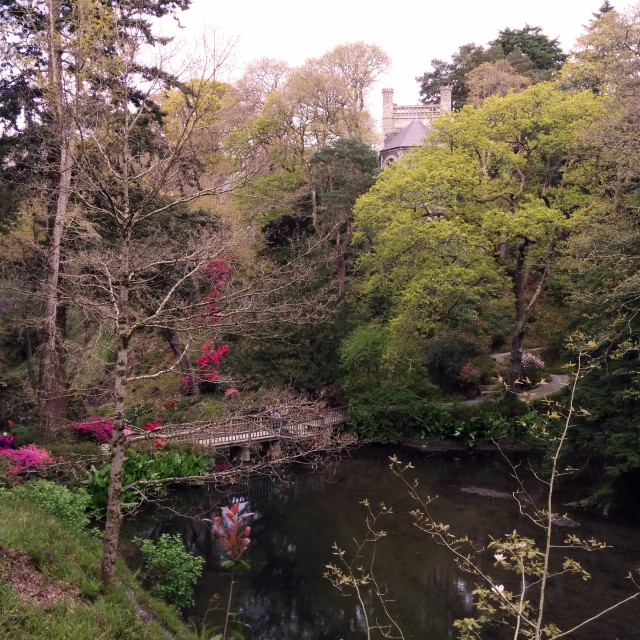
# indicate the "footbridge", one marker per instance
pixel 241 432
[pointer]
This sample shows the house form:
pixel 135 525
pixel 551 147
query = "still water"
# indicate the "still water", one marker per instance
pixel 283 596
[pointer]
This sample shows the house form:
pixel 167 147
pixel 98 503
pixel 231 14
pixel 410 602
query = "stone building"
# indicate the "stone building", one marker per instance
pixel 404 126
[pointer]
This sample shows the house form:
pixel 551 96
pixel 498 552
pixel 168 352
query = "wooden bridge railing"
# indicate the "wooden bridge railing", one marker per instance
pixel 251 428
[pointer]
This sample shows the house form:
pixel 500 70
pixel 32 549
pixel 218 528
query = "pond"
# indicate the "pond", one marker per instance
pixel 284 596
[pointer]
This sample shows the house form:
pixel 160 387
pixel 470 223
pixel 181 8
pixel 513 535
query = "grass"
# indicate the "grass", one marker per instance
pixel 70 559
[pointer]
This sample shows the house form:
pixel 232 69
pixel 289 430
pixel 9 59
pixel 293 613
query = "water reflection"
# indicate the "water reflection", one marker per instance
pixel 284 595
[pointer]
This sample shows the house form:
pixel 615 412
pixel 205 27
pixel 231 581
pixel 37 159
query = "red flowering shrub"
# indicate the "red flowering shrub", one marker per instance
pixel 153 426
pixel 28 456
pixel 219 275
pixel 159 443
pixel 210 359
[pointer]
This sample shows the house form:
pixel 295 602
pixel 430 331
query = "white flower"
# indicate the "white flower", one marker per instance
pixel 499 557
pixel 498 589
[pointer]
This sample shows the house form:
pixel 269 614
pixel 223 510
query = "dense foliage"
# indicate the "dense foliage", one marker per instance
pixel 69 507
pixel 151 470
pixel 171 571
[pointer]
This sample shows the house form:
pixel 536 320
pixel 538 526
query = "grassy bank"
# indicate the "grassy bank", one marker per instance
pixel 49 586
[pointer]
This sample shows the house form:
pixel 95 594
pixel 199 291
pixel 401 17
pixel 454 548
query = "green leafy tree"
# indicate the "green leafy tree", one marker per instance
pixel 544 53
pixel 530 52
pixel 481 208
pixel 340 172
pixel 600 262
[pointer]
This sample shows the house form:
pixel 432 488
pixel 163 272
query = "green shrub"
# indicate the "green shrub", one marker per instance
pixel 171 571
pixel 386 414
pixel 145 466
pixel 68 506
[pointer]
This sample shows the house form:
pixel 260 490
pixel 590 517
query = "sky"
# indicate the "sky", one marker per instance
pixel 412 32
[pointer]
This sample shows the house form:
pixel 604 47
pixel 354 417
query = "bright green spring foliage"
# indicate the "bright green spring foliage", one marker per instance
pixel 70 507
pixel 143 468
pixel 458 224
pixel 170 569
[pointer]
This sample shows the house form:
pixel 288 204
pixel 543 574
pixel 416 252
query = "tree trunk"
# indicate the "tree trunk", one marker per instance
pixel 522 315
pixel 523 311
pixel 341 258
pixel 118 440
pixel 314 209
pixel 186 366
pixel 114 515
pixel 341 264
pixel 28 354
pixel 515 367
pixel 50 366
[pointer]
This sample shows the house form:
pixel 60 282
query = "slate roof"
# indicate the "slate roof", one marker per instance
pixel 410 136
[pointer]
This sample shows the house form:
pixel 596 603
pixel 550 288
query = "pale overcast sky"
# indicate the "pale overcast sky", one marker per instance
pixel 412 32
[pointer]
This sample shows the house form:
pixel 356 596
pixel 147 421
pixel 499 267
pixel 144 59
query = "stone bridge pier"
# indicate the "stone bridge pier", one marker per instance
pixel 271 449
pixel 240 452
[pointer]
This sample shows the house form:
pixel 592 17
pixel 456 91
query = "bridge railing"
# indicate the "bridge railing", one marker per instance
pixel 251 428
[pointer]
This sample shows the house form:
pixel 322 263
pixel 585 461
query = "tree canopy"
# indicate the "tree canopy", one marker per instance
pixel 528 51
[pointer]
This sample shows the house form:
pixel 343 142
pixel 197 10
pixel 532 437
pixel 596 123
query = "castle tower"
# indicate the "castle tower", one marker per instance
pixel 445 99
pixel 405 126
pixel 388 126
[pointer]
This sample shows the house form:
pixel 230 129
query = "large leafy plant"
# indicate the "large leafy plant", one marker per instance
pixel 143 467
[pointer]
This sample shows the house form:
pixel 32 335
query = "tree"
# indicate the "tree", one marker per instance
pixel 484 204
pixel 151 262
pixel 493 79
pixel 53 40
pixel 544 53
pixel 358 65
pixel 340 172
pixel 606 7
pixel 600 262
pixel 528 51
pixel 453 74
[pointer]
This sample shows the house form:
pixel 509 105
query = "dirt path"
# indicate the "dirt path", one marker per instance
pixel 544 389
pixel 503 356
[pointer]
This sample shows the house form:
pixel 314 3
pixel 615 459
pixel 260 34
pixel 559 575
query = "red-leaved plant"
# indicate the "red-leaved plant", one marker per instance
pixel 232 533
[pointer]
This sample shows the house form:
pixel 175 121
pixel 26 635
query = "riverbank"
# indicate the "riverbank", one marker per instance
pixel 49 586
pixel 455 446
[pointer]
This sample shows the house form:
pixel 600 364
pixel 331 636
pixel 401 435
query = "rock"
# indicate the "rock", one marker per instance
pixel 563 521
pixel 487 493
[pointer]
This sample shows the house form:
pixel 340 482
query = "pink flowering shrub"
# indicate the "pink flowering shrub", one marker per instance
pixel 97 428
pixel 28 456
pixel 529 361
pixel 231 391
pixel 468 373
